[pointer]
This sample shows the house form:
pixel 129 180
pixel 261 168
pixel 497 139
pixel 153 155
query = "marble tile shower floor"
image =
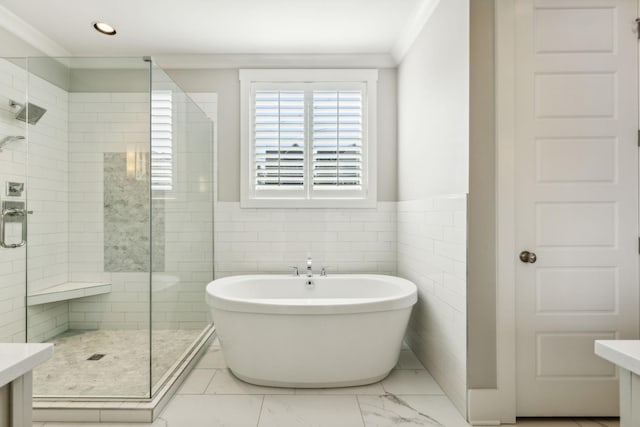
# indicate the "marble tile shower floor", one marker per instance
pixel 124 369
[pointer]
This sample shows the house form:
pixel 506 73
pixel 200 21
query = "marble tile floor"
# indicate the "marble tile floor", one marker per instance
pixel 409 397
pixel 123 371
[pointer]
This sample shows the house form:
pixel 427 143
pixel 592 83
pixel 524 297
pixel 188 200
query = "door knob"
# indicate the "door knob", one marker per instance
pixel 526 256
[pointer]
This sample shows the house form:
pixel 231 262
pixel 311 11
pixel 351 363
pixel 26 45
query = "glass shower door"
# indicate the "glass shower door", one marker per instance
pixel 88 253
pixel 13 163
pixel 182 228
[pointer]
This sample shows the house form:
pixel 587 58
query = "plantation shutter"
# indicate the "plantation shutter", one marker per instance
pixel 337 140
pixel 161 141
pixel 279 140
pixel 307 142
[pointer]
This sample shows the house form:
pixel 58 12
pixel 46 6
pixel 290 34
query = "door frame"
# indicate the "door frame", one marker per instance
pixel 492 406
pixel 495 406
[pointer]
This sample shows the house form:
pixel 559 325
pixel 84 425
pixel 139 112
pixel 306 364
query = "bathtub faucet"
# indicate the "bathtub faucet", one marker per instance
pixel 309 271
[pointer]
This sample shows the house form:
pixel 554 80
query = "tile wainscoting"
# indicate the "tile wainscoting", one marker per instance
pixel 250 241
pixel 432 250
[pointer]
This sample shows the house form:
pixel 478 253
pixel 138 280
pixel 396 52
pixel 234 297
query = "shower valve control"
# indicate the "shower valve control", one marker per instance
pixel 15 189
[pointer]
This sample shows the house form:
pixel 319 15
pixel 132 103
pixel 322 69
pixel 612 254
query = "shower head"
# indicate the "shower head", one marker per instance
pixel 9 139
pixel 30 113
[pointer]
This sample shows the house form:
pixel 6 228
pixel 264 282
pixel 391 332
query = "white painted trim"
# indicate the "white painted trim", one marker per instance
pixel 21 29
pixel 302 75
pixel 248 76
pixel 412 30
pixel 220 61
pixel 495 406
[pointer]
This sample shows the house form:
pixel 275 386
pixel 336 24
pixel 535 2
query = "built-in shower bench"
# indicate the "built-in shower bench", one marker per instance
pixel 67 291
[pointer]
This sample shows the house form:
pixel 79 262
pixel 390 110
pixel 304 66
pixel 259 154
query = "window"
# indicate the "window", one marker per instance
pixel 161 141
pixel 308 138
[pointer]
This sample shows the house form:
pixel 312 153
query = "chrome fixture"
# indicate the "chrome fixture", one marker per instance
pixel 309 271
pixel 8 139
pixel 13 212
pixel 15 189
pixel 295 270
pixel 323 271
pixel 30 113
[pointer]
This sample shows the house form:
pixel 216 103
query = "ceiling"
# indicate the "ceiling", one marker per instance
pixel 172 27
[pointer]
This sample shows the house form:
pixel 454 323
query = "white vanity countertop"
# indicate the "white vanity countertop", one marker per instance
pixel 18 359
pixel 624 353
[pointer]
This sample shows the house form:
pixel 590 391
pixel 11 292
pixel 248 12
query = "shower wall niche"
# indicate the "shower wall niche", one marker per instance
pixel 118 178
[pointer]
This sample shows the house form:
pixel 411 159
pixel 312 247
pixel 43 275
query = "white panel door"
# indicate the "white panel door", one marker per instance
pixel 577 200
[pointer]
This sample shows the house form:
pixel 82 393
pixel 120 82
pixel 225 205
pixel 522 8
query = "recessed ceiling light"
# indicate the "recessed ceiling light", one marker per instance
pixel 104 28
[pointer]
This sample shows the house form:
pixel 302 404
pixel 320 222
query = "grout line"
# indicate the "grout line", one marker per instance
pixel 215 372
pixel 210 381
pixel 364 423
pixel 260 412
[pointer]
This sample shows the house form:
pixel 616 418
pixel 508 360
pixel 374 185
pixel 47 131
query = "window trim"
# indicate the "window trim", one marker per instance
pixel 155 187
pixel 247 78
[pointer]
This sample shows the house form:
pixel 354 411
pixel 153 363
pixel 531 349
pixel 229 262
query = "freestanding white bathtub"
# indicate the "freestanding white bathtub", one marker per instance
pixel 344 330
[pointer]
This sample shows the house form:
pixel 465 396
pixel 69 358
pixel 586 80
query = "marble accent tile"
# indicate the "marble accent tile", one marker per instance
pixel 410 411
pixel 369 389
pixel 224 382
pixel 305 411
pixel 408 360
pixel 197 381
pixel 212 359
pixel 212 411
pixel 405 381
pixel 126 220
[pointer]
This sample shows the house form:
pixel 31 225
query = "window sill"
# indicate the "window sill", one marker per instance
pixel 273 203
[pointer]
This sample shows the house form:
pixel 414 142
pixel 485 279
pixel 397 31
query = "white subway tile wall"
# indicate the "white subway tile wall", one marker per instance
pixel 178 291
pixel 13 82
pixel 46 182
pixel 102 123
pixel 432 246
pixel 251 241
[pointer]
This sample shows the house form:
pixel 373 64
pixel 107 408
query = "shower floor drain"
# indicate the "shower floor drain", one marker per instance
pixel 96 356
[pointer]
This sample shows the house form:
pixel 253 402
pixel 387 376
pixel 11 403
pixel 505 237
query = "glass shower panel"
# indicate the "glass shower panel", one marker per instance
pixel 13 164
pixel 182 227
pixel 88 258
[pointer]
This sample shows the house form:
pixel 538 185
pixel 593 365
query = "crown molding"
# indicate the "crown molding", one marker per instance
pixel 412 30
pixel 25 31
pixel 275 61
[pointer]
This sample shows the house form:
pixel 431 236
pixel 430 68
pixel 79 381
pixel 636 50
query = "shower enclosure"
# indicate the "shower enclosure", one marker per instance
pixel 107 222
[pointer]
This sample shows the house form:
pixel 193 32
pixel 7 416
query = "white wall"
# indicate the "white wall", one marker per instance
pixel 433 107
pixel 433 143
pixel 102 123
pixel 46 184
pixel 13 83
pixel 271 240
pixel 106 122
pixel 47 178
pixel 432 254
pixel 481 352
pixel 225 83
